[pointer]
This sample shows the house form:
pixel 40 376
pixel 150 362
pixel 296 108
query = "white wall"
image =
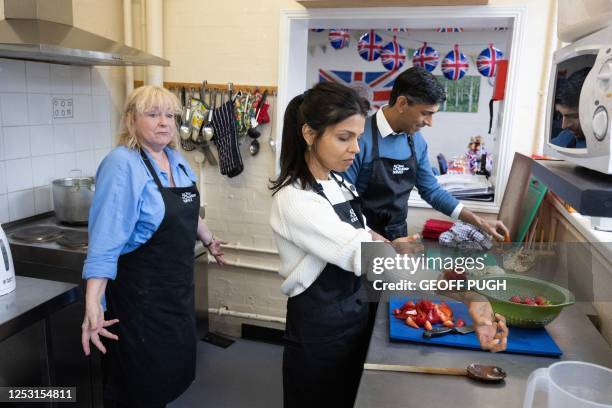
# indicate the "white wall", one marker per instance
pixel 35 147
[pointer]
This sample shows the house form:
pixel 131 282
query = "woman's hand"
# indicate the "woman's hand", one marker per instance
pixel 377 237
pixel 491 329
pixel 409 245
pixel 95 326
pixel 215 250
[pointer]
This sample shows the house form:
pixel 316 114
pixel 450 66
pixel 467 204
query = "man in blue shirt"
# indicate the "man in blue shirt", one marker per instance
pixel 393 160
pixel 567 100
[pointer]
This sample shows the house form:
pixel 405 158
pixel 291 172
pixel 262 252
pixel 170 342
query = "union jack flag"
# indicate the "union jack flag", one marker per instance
pixel 455 64
pixel 374 86
pixel 339 38
pixel 426 57
pixel 369 46
pixel 487 61
pixel 450 30
pixel 393 55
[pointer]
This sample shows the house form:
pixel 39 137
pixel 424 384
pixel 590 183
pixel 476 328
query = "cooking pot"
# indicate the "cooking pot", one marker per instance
pixel 72 198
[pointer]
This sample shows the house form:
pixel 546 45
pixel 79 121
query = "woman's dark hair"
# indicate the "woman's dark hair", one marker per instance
pixel 418 85
pixel 324 105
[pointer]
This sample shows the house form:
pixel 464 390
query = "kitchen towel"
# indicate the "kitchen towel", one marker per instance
pixel 226 140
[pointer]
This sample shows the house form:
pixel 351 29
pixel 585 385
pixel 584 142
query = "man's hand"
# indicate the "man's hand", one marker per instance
pixel 495 228
pixel 491 329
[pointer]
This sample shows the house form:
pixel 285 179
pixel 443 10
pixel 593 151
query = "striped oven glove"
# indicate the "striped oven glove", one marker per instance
pixel 226 139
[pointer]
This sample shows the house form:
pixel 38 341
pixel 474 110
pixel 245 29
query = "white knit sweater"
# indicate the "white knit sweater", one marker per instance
pixel 309 234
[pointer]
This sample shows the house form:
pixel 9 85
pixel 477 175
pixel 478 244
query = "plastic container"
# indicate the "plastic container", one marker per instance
pixel 571 384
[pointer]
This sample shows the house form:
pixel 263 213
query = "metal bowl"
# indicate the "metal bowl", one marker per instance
pixel 527 316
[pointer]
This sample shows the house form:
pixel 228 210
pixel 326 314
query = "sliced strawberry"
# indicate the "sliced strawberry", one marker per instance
pixel 516 299
pixel 411 323
pixel 448 323
pixel 528 301
pixel 408 305
pixel 460 323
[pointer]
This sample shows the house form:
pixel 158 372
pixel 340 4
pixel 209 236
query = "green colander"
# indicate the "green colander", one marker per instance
pixel 520 315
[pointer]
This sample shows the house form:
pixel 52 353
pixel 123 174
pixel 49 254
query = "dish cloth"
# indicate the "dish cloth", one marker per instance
pixel 465 236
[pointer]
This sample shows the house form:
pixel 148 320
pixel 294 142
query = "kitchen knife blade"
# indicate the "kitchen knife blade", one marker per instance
pixel 442 331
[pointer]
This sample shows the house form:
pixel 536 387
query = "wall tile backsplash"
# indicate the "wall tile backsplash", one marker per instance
pixel 37 147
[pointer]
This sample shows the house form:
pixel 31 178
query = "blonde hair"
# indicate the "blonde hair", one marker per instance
pixel 139 101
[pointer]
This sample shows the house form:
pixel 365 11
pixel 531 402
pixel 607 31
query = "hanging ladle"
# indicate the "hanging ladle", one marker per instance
pixel 478 372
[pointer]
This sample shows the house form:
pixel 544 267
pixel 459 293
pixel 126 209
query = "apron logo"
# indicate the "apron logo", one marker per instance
pixel 353 215
pixel 188 197
pixel 400 169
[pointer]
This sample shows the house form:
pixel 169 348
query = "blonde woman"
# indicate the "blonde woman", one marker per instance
pixel 143 225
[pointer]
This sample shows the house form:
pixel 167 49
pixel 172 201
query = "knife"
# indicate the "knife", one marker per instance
pixel 442 331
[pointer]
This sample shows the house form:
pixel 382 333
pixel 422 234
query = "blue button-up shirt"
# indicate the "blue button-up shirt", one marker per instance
pixel 127 207
pixel 395 146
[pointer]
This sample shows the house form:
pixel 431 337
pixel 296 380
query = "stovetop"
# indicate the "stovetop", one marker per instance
pixel 45 231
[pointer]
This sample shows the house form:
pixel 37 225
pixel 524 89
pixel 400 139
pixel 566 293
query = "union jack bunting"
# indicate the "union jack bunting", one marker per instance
pixel 487 61
pixel 500 29
pixel 455 64
pixel 393 55
pixel 397 30
pixel 374 86
pixel 317 30
pixel 450 30
pixel 339 38
pixel 369 46
pixel 425 57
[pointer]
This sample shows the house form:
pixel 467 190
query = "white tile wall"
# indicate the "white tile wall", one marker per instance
pixel 35 148
pixel 21 204
pixel 12 76
pixel 41 140
pixel 2 179
pixel 38 77
pixel 4 214
pixel 16 142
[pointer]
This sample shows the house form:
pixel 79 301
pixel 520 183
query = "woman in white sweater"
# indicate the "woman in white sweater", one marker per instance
pixel 318 225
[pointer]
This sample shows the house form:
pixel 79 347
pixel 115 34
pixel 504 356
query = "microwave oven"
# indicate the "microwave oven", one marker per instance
pixel 578 125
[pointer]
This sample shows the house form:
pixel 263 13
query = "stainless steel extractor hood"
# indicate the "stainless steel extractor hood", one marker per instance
pixel 42 30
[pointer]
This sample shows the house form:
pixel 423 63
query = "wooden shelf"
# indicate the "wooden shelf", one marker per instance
pixel 388 3
pixel 221 87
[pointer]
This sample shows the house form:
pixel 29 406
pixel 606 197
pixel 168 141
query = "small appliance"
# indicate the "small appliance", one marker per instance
pixel 7 270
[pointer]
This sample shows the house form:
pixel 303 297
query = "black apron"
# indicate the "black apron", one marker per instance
pixel 153 297
pixel 385 199
pixel 326 336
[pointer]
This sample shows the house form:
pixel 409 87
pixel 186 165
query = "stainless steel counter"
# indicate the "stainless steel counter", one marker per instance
pixel 33 300
pixel 572 330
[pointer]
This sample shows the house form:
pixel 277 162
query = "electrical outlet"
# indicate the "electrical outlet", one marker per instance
pixel 63 108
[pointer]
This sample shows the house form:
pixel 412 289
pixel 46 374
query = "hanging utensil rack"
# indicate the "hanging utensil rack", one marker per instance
pixel 221 87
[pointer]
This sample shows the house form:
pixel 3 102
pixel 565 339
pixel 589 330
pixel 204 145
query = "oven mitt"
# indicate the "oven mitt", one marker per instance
pixel 226 140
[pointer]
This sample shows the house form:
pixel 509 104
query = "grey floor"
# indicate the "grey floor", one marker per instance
pixel 246 374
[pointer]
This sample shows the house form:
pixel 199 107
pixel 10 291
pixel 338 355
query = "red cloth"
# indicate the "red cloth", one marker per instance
pixel 433 228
